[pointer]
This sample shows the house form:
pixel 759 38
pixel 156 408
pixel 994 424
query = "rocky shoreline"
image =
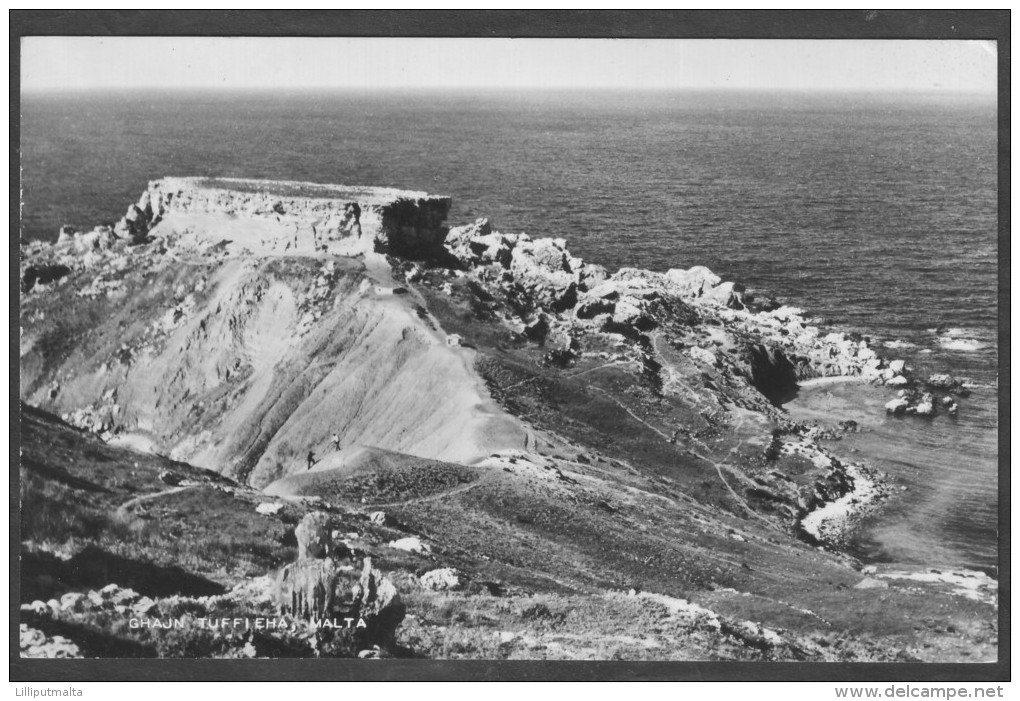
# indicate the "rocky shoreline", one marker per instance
pixel 236 324
pixel 536 288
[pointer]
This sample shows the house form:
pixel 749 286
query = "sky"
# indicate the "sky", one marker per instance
pixel 82 63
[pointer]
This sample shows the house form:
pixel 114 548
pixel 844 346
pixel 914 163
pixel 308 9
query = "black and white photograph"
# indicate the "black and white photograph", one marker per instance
pixel 414 349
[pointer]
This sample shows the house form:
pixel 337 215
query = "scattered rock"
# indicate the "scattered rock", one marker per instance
pixel 71 601
pixel 269 508
pixel 411 544
pixel 143 607
pixel 314 536
pixel 444 579
pixel 897 406
pixel 34 643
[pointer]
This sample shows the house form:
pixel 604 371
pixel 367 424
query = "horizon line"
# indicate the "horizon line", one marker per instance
pixel 926 90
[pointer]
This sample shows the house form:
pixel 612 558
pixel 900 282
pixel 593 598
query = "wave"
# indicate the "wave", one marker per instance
pixel 962 344
pixel 899 344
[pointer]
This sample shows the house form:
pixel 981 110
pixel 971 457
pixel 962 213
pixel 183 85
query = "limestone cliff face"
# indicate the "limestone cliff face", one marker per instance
pixel 296 218
pixel 208 335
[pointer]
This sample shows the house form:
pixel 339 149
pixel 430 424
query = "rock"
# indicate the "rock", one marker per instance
pixel 269 508
pixel 378 518
pixel 71 601
pixel 944 382
pixel 871 583
pixel 542 269
pixel 171 478
pixel 40 274
pixel 953 408
pixel 143 607
pixel 897 406
pixel 125 596
pixel 897 366
pixel 379 606
pixel 34 643
pixel 314 536
pixel 870 569
pixel 411 544
pixel 589 307
pixel 727 294
pixel 702 356
pixel 444 579
pixel 694 282
pixel 310 588
pixel 591 275
pixel 609 290
pixel 317 589
pixel 926 406
pixel 537 330
pixel 898 381
pixel 96 598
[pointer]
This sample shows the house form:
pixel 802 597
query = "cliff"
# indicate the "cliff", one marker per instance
pixel 517 413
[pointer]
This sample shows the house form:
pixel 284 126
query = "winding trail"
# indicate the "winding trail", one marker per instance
pixel 439 495
pixel 123 508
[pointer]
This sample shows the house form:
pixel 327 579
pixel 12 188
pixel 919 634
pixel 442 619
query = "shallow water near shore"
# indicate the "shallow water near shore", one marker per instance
pixel 947 515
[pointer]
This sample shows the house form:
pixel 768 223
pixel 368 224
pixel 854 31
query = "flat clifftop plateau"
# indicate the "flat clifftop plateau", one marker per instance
pixel 493 406
pixel 281 217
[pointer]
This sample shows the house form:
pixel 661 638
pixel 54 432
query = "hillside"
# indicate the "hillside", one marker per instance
pixel 601 459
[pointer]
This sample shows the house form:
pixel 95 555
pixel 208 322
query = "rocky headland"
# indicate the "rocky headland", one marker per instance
pixel 492 420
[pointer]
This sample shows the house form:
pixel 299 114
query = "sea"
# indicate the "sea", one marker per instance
pixel 874 213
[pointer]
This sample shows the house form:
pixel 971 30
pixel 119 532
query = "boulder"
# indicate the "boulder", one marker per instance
pixel 411 544
pixel 897 366
pixel 378 604
pixel 459 240
pixel 171 478
pixel 378 517
pixel 444 579
pixel 702 356
pixel 71 601
pixel 542 270
pixel 944 382
pixel 268 508
pixel 590 307
pixel 591 275
pixel 310 588
pixel 144 606
pixel 727 294
pixel 926 406
pixel 322 589
pixel 42 275
pixel 897 406
pixel 694 282
pixel 314 536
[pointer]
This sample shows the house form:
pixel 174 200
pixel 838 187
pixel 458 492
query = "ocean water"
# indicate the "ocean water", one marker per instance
pixel 872 213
